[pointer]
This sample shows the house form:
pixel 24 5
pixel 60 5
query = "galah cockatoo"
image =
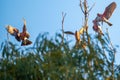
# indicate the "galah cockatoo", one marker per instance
pixel 104 17
pixel 77 34
pixel 23 36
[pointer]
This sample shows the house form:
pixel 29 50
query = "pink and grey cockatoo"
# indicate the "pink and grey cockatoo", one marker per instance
pixel 23 36
pixel 104 17
pixel 77 34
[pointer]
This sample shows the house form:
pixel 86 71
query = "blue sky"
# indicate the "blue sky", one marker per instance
pixel 45 16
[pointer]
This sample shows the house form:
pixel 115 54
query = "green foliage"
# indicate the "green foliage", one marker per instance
pixel 50 59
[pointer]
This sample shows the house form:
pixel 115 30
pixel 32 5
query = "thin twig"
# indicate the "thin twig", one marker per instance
pixel 7 40
pixel 8 37
pixel 85 6
pixel 85 10
pixel 86 15
pixel 81 7
pixel 91 8
pixel 114 52
pixel 7 47
pixel 63 17
pixel 110 40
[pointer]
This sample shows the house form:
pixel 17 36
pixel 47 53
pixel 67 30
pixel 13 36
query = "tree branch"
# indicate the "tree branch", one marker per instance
pixel 91 8
pixel 81 7
pixel 114 52
pixel 63 17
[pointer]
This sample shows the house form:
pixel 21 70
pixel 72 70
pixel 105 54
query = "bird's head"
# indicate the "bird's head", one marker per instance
pixel 10 29
pixel 99 15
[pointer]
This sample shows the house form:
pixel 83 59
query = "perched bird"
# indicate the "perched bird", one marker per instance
pixel 23 36
pixel 77 35
pixel 104 17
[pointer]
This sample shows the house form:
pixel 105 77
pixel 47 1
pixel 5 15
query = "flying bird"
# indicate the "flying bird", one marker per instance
pixel 107 14
pixel 104 17
pixel 23 36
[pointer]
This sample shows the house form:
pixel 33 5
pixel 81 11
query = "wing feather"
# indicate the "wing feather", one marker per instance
pixel 24 26
pixel 109 10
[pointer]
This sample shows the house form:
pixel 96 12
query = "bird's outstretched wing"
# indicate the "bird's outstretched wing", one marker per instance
pixel 24 26
pixel 24 33
pixel 109 10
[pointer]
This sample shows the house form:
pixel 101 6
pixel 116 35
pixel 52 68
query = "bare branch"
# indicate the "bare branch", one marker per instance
pixel 8 37
pixel 85 6
pixel 63 17
pixel 91 8
pixel 114 52
pixel 8 40
pixel 81 7
pixel 110 40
